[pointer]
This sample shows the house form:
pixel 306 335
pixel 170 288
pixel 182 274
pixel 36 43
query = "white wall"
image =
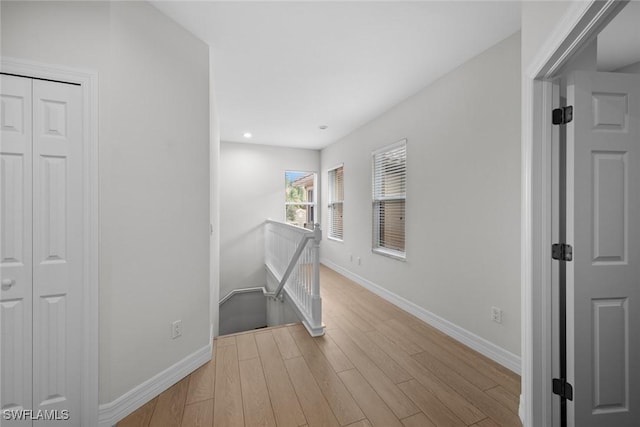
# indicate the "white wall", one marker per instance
pixel 252 190
pixel 154 172
pixel 463 196
pixel 214 130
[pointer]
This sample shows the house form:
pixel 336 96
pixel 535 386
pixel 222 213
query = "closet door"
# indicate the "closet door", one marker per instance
pixel 57 247
pixel 41 254
pixel 16 246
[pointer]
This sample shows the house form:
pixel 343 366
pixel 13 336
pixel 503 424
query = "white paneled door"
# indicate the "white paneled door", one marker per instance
pixel 603 223
pixel 42 252
pixel 16 266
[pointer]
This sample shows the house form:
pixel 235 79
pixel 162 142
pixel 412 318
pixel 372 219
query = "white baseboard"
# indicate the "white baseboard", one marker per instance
pixel 479 344
pixel 110 413
pixel 521 410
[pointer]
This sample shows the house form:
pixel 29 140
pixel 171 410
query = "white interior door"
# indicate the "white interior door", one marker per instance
pixel 603 225
pixel 16 272
pixel 42 193
pixel 57 249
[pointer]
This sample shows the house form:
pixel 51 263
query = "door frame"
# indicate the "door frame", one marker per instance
pixel 88 79
pixel 582 21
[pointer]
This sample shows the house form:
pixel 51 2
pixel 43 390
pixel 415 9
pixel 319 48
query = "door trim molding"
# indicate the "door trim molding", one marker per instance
pixel 581 22
pixel 88 79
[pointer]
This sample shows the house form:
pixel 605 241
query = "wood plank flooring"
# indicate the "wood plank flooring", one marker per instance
pixel 375 366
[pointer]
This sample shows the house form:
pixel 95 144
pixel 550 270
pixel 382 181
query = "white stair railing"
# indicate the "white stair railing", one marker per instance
pixel 292 256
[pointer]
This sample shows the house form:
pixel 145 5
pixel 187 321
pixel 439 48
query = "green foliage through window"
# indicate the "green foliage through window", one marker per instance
pixel 299 198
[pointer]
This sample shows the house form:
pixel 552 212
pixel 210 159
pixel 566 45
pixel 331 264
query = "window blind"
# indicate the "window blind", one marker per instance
pixel 336 199
pixel 389 196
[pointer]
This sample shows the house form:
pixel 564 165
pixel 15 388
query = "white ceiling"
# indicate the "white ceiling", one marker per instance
pixel 282 69
pixel 619 42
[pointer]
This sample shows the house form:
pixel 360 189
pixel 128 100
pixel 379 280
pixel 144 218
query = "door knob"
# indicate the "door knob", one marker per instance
pixel 7 283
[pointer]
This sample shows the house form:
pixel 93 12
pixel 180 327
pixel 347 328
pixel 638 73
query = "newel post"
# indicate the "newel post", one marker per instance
pixel 316 301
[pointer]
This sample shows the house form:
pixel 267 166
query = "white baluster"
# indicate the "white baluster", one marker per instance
pixel 283 242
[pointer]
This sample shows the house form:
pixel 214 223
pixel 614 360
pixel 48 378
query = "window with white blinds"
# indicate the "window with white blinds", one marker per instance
pixel 389 195
pixel 336 201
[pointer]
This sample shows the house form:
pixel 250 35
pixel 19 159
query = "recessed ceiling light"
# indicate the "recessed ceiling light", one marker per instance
pixel 247 135
pixel 323 127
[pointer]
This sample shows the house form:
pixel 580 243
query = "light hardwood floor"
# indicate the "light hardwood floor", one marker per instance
pixel 375 366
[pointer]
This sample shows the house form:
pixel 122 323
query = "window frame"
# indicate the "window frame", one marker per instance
pixel 312 204
pixel 375 237
pixel 333 202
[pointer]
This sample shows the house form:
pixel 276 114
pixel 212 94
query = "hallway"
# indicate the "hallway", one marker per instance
pixel 375 366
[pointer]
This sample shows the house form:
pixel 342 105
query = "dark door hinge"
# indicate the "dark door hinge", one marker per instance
pixel 562 388
pixel 562 252
pixel 562 116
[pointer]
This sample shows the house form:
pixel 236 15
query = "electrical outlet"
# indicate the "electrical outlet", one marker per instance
pixel 359 261
pixel 176 329
pixel 496 314
pixel 351 257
